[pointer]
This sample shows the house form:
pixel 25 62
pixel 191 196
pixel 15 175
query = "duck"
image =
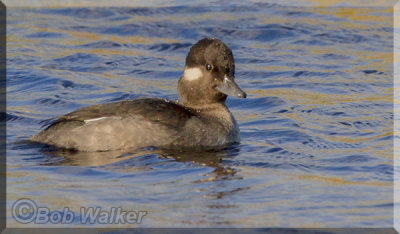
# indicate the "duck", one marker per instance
pixel 200 118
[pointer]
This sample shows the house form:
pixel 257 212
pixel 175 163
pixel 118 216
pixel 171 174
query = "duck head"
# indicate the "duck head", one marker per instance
pixel 209 75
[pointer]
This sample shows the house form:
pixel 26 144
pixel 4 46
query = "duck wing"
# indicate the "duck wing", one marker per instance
pixel 126 124
pixel 162 111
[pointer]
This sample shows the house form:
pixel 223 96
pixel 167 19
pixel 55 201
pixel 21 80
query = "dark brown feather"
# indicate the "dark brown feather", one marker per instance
pixel 152 109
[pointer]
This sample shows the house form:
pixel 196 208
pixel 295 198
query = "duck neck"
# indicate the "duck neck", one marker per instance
pixel 218 106
pixel 216 111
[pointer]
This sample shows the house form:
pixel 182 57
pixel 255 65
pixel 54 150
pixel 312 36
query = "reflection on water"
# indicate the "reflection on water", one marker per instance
pixel 316 128
pixel 60 157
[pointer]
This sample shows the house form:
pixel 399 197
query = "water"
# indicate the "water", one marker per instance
pixel 316 127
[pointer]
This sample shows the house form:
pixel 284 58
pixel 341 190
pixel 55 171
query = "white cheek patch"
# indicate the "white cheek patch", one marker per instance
pixel 191 74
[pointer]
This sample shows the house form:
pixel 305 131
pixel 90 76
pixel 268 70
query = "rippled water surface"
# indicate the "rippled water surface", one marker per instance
pixel 316 127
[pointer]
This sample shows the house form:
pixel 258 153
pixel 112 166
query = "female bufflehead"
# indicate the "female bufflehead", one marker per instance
pixel 200 119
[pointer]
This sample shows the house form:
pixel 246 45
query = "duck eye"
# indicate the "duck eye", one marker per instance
pixel 208 67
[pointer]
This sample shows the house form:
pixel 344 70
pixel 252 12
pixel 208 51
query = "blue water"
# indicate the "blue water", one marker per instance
pixel 316 127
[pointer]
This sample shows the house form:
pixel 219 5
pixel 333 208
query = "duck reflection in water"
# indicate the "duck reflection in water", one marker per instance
pixel 138 159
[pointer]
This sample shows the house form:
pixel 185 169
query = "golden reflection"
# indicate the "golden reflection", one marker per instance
pixel 339 181
pixel 79 38
pixel 357 139
pixel 365 21
pixel 359 14
pixel 305 97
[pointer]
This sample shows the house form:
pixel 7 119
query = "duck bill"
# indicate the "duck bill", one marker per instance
pixel 230 88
